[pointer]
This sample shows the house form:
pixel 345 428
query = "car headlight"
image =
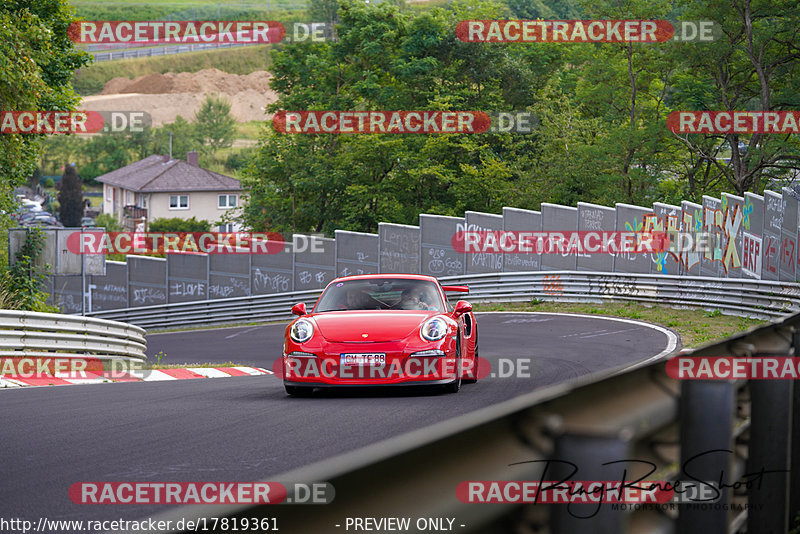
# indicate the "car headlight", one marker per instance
pixel 301 331
pixel 423 353
pixel 434 329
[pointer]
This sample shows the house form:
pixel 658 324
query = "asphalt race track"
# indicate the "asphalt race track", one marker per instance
pixel 247 428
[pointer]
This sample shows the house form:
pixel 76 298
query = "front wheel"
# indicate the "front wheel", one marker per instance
pixel 473 374
pixel 299 391
pixel 455 386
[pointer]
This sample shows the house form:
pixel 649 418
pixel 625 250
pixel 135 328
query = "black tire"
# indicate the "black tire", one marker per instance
pixel 299 391
pixel 475 364
pixel 455 386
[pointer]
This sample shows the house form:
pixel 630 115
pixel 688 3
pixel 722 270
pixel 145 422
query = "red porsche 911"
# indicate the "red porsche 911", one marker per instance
pixel 381 330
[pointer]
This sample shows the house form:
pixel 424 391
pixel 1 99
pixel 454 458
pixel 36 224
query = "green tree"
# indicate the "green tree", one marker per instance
pixel 105 153
pixel 141 143
pixel 21 285
pixel 324 11
pixel 530 9
pixel 185 138
pixel 625 85
pixel 568 154
pixel 545 9
pixel 385 58
pixel 35 178
pixel 56 149
pixel 70 198
pixel 109 222
pixel 751 65
pixel 215 124
pixel 37 60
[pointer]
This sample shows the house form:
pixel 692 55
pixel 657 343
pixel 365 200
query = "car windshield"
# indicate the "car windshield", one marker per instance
pixel 381 294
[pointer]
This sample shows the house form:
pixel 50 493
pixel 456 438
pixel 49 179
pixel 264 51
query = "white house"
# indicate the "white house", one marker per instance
pixel 160 187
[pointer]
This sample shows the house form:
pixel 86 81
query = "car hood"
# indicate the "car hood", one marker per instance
pixel 350 326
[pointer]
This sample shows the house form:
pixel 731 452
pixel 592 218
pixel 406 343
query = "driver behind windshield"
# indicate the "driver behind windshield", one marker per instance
pixel 356 299
pixel 381 295
pixel 412 299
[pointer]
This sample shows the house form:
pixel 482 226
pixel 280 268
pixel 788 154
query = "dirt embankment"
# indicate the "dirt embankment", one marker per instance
pixel 165 96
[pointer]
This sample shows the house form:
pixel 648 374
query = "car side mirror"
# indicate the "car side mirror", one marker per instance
pixel 462 307
pixel 300 309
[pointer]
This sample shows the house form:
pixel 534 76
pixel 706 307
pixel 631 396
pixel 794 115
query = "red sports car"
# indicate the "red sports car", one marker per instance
pixel 381 329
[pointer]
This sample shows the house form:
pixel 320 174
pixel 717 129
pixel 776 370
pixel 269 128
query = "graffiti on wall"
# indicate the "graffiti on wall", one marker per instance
pixel 753 237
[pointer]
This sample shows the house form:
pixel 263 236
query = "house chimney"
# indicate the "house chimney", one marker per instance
pixel 192 159
pixel 165 159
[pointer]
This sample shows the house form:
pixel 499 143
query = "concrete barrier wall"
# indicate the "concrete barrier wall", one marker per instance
pixel 356 253
pixel 438 256
pixel 398 247
pixel 314 267
pixel 592 217
pixel 516 220
pixel 751 237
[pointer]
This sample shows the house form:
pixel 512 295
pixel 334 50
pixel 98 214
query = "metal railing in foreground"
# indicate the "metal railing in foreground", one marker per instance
pixel 636 415
pixel 46 335
pixel 755 298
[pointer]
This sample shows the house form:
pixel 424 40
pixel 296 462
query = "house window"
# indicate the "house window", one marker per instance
pixel 128 198
pixel 179 202
pixel 109 193
pixel 226 201
pixel 143 200
pixel 226 227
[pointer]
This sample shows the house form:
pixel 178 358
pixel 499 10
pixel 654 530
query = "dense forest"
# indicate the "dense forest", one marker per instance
pixel 601 109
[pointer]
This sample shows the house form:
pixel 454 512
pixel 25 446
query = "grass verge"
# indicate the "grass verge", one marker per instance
pixel 695 327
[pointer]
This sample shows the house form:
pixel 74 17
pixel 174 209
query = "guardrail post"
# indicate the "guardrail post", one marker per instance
pixel 706 424
pixel 588 454
pixel 794 484
pixel 794 445
pixel 770 450
pixel 770 436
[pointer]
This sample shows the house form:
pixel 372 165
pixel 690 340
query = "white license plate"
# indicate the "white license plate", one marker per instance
pixel 374 358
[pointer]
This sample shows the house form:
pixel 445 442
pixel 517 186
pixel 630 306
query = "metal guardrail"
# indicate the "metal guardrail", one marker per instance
pixel 638 415
pixel 164 50
pixel 33 334
pixel 221 311
pixel 755 298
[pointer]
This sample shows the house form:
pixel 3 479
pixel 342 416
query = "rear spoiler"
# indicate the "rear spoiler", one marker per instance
pixel 456 289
